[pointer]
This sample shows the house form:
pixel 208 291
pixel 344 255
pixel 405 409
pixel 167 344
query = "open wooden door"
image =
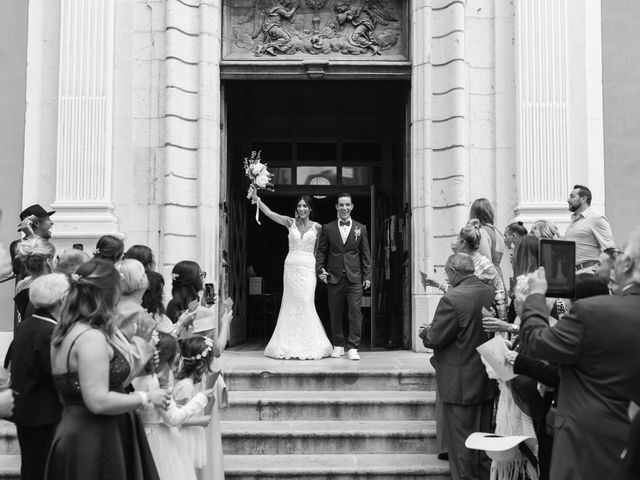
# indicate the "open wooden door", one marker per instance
pixel 237 263
pixel 380 213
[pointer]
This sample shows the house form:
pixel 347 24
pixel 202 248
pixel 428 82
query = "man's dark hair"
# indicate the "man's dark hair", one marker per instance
pixel 344 194
pixel 583 192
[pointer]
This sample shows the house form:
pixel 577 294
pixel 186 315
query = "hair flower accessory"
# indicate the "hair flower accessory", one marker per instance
pixel 97 251
pixel 204 354
pixel 175 276
pixel 75 277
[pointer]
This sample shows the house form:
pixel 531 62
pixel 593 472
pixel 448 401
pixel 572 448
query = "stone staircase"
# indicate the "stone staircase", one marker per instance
pixel 329 419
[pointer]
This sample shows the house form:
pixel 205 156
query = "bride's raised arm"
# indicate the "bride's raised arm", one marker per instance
pixel 276 217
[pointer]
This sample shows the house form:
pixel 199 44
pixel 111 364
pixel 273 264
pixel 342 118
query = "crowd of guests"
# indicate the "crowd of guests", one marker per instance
pixel 566 409
pixel 107 381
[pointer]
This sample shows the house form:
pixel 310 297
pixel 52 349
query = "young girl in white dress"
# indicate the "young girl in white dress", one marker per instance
pixel 299 332
pixel 167 446
pixel 195 364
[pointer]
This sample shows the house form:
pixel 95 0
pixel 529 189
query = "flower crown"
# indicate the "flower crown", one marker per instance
pixel 207 349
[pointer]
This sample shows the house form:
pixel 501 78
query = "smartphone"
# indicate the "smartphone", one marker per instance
pixel 78 246
pixel 558 257
pixel 209 294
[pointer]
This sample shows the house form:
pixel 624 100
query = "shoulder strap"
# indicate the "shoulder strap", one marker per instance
pixel 72 344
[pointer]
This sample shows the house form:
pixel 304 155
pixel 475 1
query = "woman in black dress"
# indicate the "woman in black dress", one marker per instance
pixel 98 436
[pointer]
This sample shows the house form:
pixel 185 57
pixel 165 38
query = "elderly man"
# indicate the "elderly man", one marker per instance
pixel 596 349
pixel 588 228
pixel 70 260
pixel 466 391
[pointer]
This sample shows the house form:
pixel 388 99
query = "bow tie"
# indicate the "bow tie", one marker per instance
pixel 345 224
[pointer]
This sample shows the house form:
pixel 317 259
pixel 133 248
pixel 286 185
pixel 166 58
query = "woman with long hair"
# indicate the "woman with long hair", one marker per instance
pixel 98 436
pixel 143 254
pixel 299 332
pixel 491 240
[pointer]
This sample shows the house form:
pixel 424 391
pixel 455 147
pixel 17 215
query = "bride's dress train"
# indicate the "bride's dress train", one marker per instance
pixel 299 332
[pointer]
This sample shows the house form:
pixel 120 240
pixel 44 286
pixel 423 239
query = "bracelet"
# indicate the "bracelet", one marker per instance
pixel 515 328
pixel 144 399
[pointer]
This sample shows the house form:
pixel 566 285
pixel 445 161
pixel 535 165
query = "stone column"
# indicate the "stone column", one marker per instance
pixel 192 134
pixel 439 145
pixel 559 106
pixel 85 118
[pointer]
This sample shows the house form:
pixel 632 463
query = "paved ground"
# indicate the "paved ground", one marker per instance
pixel 251 358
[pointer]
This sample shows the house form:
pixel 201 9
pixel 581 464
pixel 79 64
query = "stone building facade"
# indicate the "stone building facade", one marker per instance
pixel 127 123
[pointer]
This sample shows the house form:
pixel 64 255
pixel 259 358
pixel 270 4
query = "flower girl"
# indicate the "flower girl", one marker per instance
pixel 170 453
pixel 196 355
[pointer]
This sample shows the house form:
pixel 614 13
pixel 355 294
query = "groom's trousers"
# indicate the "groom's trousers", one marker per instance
pixel 338 294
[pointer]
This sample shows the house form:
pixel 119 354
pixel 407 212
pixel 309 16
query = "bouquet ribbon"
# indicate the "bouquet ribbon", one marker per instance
pixel 258 211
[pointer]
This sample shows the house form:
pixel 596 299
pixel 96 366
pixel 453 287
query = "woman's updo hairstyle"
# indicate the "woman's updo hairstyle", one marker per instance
pixel 309 201
pixel 470 233
pixel 93 297
pixel 143 254
pixel 34 255
pixel 185 285
pixel 133 278
pixel 109 247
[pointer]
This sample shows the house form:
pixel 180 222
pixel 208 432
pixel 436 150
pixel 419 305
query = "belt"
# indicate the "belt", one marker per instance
pixel 587 264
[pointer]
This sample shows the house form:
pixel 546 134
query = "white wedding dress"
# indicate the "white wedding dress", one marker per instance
pixel 299 332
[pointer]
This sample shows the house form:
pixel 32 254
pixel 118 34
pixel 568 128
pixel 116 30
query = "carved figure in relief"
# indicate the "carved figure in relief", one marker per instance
pixel 364 17
pixel 268 16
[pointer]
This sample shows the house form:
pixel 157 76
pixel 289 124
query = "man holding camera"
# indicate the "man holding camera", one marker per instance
pixel 589 230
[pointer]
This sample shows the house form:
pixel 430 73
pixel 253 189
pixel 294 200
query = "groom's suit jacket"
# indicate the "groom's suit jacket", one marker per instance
pixel 353 257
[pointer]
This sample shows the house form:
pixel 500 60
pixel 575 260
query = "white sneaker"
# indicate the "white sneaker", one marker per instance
pixel 352 354
pixel 337 352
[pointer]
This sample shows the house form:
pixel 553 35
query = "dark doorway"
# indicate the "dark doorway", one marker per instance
pixel 321 139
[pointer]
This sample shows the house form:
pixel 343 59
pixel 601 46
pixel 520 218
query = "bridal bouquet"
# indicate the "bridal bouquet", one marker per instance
pixel 258 175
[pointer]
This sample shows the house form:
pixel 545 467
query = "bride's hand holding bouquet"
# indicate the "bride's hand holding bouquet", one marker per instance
pixel 260 178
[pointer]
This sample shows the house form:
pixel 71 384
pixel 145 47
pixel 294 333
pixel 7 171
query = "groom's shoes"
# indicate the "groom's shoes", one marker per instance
pixel 337 352
pixel 352 354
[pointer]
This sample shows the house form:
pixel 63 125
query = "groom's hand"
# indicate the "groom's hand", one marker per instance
pixel 324 275
pixel 366 284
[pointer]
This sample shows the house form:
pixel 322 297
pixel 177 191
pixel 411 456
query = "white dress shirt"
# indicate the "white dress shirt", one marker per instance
pixel 345 229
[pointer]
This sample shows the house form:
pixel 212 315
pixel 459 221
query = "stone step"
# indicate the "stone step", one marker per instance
pixel 327 405
pixel 336 467
pixel 328 437
pixel 306 380
pixel 10 467
pixel 8 439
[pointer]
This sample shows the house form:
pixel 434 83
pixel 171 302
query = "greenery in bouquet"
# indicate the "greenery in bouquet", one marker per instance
pixel 257 173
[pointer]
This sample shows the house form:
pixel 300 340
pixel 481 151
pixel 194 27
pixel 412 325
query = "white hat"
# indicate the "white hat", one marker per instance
pixel 499 447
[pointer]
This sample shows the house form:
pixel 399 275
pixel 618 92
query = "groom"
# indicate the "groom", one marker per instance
pixel 343 262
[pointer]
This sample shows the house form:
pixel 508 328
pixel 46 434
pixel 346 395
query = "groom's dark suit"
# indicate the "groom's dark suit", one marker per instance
pixel 349 265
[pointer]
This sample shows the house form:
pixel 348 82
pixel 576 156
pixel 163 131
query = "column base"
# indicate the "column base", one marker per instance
pixel 82 223
pixel 558 213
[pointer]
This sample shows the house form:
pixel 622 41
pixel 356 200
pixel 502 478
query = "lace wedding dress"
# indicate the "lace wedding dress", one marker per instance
pixel 299 332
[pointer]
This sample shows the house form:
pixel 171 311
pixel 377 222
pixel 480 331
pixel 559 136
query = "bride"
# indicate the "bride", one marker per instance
pixel 299 332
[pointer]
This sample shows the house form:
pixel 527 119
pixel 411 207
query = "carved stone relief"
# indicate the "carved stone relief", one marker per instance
pixel 328 28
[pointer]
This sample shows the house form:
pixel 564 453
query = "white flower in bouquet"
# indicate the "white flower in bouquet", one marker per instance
pixel 259 176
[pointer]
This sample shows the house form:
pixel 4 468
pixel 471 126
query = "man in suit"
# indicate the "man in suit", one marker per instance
pixel 596 349
pixel 37 407
pixel 343 262
pixel 467 392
